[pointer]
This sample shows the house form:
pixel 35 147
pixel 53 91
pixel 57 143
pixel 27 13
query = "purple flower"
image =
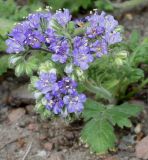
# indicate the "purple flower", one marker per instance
pixel 63 17
pixel 55 104
pixel 82 58
pixel 93 19
pixel 14 46
pixel 46 81
pixel 36 18
pixel 61 96
pixel 79 42
pixel 50 36
pixel 93 32
pixel 108 22
pixel 18 35
pixel 34 38
pixel 28 33
pixel 61 51
pixel 81 53
pixel 99 47
pixel 74 104
pixel 113 38
pixel 100 25
pixel 67 86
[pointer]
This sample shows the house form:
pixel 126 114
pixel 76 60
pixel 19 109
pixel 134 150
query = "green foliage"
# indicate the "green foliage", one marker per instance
pixel 121 67
pixel 98 132
pixel 10 13
pixel 4 64
pixel 9 9
pixel 27 63
pixel 73 6
pixel 104 5
pixel 77 5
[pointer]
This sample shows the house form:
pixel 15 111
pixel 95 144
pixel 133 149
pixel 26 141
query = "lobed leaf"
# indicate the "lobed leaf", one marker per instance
pixel 99 135
pixel 98 132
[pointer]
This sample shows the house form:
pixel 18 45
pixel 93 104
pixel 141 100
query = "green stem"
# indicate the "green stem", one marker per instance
pixel 40 49
pixel 102 92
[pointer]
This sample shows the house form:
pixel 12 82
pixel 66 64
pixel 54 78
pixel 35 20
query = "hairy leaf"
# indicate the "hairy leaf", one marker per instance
pixel 4 64
pixel 98 132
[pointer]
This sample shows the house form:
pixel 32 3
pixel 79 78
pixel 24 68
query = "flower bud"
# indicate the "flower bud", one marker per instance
pixel 46 67
pixel 37 95
pixel 80 74
pixel 122 54
pixel 68 69
pixel 119 61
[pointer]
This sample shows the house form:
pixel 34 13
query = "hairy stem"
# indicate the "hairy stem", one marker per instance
pixel 102 92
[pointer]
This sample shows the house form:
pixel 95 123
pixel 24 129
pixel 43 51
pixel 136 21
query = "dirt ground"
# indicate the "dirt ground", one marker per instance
pixel 24 136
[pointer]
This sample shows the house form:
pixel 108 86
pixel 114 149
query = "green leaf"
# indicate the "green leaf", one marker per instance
pixel 135 75
pixel 134 40
pixel 99 134
pixel 119 114
pixel 5 26
pixel 84 4
pixel 71 27
pixel 98 90
pixel 20 69
pixel 4 63
pixel 104 5
pixel 15 59
pixel 92 109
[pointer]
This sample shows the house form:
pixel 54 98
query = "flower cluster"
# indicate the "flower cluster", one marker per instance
pixel 38 32
pixel 74 44
pixel 61 95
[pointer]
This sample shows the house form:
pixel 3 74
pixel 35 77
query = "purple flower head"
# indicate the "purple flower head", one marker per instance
pixel 36 18
pixel 108 22
pixel 45 83
pixel 18 35
pixel 67 86
pixel 14 46
pixel 82 58
pixel 100 24
pixel 61 51
pixel 55 104
pixel 113 38
pixel 93 19
pixel 61 97
pixel 79 42
pixel 74 104
pixel 81 53
pixel 17 38
pixel 93 32
pixel 99 47
pixel 50 36
pixel 34 38
pixel 63 17
pixel 22 27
